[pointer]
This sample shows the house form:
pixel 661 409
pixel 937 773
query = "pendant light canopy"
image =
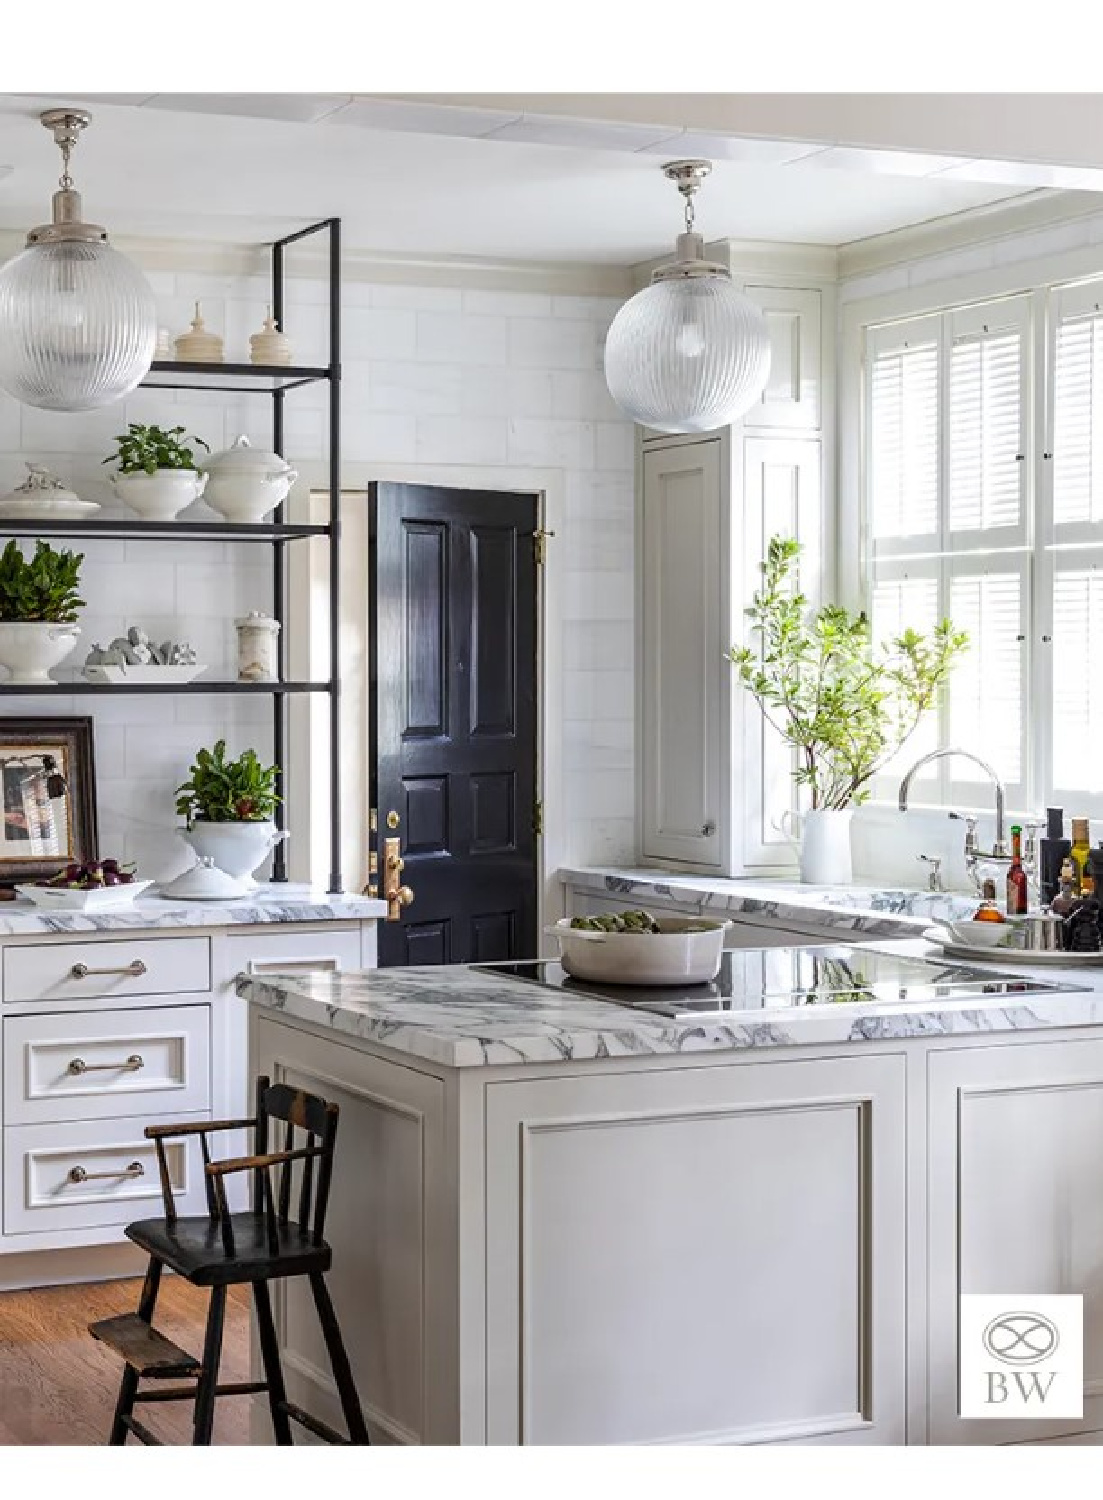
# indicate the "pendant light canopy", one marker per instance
pixel 78 322
pixel 689 353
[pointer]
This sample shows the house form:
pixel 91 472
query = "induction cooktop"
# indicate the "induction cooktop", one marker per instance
pixel 758 979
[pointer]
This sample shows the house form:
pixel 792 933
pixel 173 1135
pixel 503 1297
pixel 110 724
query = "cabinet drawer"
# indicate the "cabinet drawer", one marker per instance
pixel 84 971
pixel 40 1195
pixel 291 952
pixel 107 1063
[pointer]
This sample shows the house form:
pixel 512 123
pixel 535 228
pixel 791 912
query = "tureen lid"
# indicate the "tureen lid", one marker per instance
pixel 205 882
pixel 242 458
pixel 40 484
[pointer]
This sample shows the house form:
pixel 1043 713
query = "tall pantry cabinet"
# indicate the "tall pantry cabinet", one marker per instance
pixel 715 778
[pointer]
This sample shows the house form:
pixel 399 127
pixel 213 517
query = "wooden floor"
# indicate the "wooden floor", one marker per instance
pixel 58 1385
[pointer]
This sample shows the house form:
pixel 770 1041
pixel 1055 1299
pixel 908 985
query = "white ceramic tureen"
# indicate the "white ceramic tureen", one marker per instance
pixel 246 483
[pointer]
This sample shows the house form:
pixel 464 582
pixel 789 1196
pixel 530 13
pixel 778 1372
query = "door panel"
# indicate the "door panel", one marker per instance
pixel 454 675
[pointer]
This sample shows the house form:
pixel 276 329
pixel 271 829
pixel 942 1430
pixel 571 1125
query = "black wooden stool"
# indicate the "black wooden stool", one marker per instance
pixel 226 1249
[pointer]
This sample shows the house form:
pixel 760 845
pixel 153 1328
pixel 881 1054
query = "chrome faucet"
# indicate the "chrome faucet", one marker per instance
pixel 973 854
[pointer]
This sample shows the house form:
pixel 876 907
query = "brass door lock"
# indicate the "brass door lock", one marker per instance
pixel 396 895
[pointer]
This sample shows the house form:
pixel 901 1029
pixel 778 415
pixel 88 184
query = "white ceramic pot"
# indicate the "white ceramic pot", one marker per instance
pixel 247 483
pixel 161 496
pixel 685 950
pixel 29 648
pixel 235 848
pixel 824 845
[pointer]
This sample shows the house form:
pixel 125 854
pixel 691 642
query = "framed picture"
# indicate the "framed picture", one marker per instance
pixel 48 781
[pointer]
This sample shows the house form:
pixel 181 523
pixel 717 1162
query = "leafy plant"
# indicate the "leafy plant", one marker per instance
pixel 44 589
pixel 144 450
pixel 227 791
pixel 845 704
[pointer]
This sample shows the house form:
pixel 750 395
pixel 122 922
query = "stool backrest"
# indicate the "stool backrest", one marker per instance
pixel 296 1110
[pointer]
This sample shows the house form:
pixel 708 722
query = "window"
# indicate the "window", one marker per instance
pixel 950 527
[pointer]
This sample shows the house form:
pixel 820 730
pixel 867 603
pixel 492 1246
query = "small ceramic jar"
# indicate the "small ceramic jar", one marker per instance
pixel 257 648
pixel 270 346
pixel 199 346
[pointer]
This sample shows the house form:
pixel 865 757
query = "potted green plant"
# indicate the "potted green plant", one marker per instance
pixel 39 601
pixel 228 807
pixel 844 703
pixel 156 473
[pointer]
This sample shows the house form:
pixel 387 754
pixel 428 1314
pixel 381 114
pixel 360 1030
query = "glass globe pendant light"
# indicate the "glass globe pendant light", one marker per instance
pixel 689 353
pixel 78 322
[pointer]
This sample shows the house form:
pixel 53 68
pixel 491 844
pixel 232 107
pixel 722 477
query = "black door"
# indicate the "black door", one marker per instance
pixel 453 646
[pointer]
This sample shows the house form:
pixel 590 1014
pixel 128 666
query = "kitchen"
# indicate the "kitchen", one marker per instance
pixel 511 1120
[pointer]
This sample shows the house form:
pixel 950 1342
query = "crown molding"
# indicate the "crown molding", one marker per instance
pixel 562 278
pixel 975 226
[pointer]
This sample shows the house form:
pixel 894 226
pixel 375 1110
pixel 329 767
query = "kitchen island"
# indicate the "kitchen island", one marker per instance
pixel 557 1219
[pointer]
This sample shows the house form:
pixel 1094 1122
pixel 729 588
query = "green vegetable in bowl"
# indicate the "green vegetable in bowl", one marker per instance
pixel 625 921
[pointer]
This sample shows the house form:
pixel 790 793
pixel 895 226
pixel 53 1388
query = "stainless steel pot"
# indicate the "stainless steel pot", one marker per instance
pixel 1042 932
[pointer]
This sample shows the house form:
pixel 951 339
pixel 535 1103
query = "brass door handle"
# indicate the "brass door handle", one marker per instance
pixel 135 969
pixel 131 1065
pixel 396 896
pixel 404 895
pixel 81 1174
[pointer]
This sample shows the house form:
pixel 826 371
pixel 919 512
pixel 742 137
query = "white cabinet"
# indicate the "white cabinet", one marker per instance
pixel 710 1255
pixel 683 691
pixel 1015 1207
pixel 714 779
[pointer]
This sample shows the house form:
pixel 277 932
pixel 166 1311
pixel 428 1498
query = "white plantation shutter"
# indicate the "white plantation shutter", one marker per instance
pixel 986 461
pixel 903 457
pixel 947 422
pixel 1078 421
pixel 1077 683
pixel 986 689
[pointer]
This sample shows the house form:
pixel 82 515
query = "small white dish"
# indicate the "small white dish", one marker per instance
pixel 94 672
pixel 205 882
pixel 1021 957
pixel 47 509
pixel 973 934
pixel 97 898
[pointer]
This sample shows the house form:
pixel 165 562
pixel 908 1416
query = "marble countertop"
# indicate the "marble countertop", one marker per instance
pixel 285 902
pixel 872 911
pixel 459 1017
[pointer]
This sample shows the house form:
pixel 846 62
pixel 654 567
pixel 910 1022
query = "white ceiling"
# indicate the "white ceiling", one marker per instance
pixel 165 166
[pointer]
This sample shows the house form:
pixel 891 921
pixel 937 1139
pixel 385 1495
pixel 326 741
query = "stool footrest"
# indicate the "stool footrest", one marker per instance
pixel 312 1424
pixel 142 1432
pixel 143 1348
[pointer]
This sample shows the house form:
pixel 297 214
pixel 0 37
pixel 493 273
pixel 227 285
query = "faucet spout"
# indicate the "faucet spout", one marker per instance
pixel 1000 846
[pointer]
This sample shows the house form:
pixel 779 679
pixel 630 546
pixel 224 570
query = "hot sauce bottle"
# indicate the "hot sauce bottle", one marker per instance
pixel 1016 876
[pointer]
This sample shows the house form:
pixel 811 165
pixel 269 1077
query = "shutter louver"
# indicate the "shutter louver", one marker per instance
pixel 897 604
pixel 1077 689
pixel 985 471
pixel 1078 422
pixel 986 690
pixel 904 442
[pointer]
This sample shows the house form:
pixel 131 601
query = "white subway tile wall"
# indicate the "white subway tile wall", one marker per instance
pixel 431 375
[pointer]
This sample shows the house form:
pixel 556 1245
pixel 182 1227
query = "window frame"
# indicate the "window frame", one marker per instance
pixel 1049 287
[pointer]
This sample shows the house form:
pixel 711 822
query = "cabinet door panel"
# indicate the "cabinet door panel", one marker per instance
pixel 706 1255
pixel 1015 1185
pixel 792 399
pixel 683 672
pixel 781 496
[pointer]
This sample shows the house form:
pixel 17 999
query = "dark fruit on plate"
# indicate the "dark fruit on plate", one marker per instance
pixel 91 875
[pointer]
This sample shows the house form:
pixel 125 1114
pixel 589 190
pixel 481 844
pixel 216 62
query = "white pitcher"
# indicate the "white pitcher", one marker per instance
pixel 822 839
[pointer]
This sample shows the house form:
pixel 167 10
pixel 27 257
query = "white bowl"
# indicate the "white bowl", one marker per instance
pixel 685 950
pixel 160 496
pixel 973 934
pixel 98 898
pixel 29 648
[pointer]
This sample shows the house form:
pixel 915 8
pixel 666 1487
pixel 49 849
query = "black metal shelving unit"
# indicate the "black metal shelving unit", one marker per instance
pixel 276 382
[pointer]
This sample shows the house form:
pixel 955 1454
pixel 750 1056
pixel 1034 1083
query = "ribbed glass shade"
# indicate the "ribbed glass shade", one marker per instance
pixel 78 324
pixel 689 354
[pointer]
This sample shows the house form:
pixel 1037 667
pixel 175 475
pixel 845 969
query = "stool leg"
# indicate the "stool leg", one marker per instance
pixel 208 1379
pixel 128 1388
pixel 342 1370
pixel 273 1370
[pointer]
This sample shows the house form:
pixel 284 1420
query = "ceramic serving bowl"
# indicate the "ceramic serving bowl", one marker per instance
pixel 29 648
pixel 245 484
pixel 98 898
pixel 685 950
pixel 972 934
pixel 160 496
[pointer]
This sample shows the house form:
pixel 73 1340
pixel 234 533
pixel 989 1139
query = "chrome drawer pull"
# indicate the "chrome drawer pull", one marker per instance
pixel 132 1064
pixel 135 968
pixel 80 1174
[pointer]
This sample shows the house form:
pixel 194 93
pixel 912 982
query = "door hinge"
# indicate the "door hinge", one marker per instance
pixel 540 545
pixel 538 818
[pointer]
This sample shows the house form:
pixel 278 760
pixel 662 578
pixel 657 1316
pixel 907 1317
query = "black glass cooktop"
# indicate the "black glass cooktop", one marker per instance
pixel 755 979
